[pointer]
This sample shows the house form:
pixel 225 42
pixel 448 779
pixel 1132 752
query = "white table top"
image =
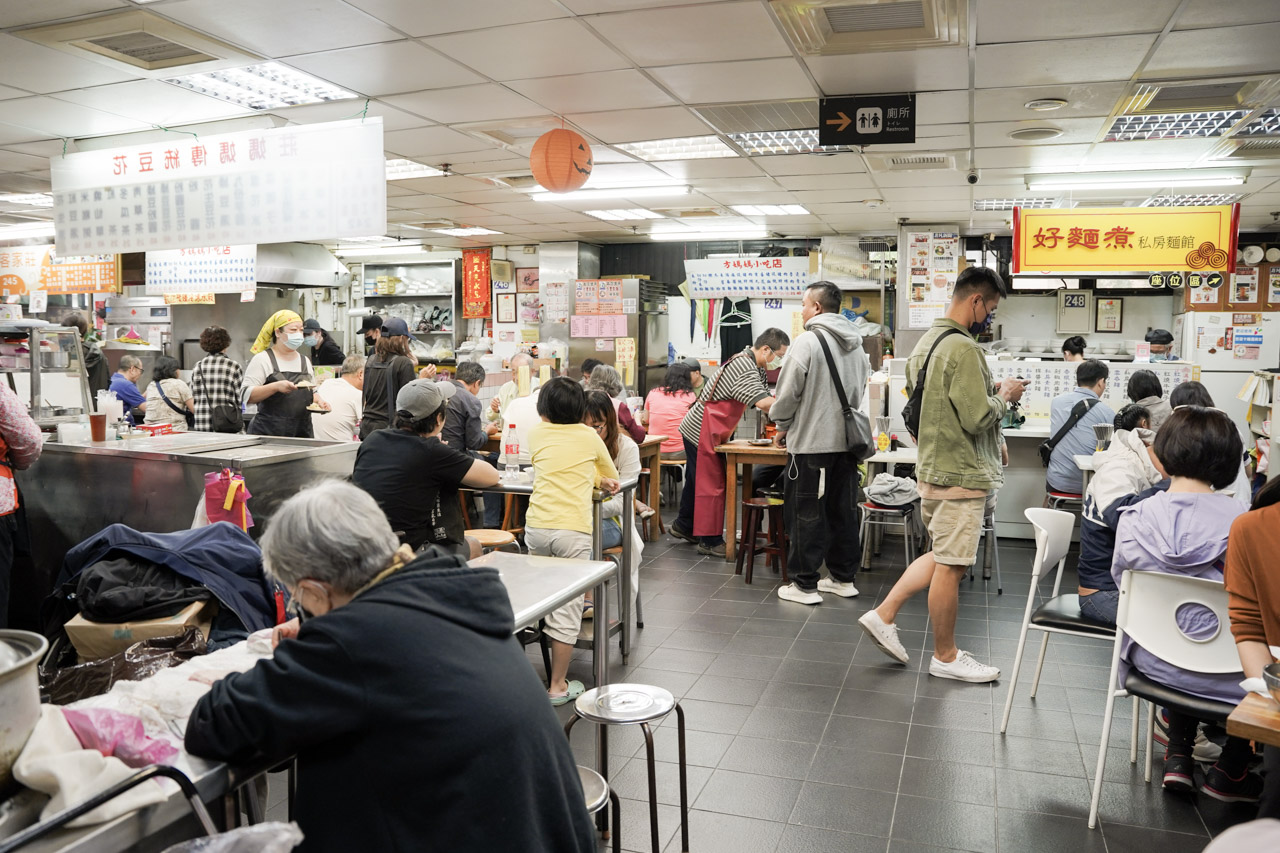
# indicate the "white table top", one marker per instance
pixel 903 455
pixel 538 585
pixel 1037 428
pixel 1085 461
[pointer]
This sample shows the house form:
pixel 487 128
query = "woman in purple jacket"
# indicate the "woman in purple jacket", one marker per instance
pixel 1184 531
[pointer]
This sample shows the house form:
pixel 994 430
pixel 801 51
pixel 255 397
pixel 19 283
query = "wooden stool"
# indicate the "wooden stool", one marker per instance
pixel 775 547
pixel 647 524
pixel 671 471
pixel 493 540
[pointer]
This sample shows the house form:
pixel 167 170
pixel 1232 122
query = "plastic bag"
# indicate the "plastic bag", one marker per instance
pixel 121 735
pixel 227 498
pixel 269 837
pixel 64 685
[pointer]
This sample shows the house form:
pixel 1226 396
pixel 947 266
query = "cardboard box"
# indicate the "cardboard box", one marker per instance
pixel 97 640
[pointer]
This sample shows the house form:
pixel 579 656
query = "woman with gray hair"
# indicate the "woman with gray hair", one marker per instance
pixel 402 691
pixel 607 379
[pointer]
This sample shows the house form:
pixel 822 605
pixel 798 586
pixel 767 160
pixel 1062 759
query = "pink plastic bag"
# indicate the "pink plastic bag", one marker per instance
pixel 226 498
pixel 113 733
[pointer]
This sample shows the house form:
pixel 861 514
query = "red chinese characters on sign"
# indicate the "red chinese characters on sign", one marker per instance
pixel 749 264
pixel 226 152
pixel 144 162
pixel 199 156
pixel 1118 238
pixel 1048 238
pixel 1084 237
pixel 476 283
pixel 172 159
pixel 257 148
pixel 121 164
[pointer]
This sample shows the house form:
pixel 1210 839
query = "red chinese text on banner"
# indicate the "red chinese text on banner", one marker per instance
pixel 477 287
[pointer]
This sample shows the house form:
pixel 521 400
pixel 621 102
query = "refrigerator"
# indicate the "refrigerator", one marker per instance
pixel 643 318
pixel 1228 347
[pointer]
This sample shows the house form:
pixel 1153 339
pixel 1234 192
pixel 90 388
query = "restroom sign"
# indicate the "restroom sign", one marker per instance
pixel 870 120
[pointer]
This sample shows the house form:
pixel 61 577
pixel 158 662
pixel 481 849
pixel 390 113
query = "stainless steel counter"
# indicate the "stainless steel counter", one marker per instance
pixel 155 483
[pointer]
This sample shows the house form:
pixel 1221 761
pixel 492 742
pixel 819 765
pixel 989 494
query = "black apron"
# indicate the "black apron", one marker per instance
pixel 285 414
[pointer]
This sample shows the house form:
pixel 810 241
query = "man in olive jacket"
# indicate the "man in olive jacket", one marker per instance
pixel 958 471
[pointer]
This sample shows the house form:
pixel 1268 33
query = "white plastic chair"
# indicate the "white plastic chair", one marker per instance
pixel 1149 604
pixel 1061 613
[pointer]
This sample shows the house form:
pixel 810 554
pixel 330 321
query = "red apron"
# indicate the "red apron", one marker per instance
pixel 719 420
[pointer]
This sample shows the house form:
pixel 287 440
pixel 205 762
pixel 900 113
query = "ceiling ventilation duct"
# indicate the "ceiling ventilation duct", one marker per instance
pixel 925 162
pixel 833 27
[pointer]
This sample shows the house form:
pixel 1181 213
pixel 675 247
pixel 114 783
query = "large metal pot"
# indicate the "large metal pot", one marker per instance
pixel 20 653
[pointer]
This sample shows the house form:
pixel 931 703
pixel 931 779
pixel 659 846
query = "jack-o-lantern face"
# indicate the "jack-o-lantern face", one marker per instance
pixel 561 160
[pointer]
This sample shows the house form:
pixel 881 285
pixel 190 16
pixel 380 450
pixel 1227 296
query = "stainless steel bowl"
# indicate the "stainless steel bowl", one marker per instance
pixel 1271 675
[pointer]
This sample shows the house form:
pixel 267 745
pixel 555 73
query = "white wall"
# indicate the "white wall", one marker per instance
pixel 1034 315
pixel 761 318
pixel 519 260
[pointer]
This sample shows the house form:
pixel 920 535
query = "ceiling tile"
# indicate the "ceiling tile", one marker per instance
pixel 21 14
pixel 52 117
pixel 11 134
pixel 1086 99
pixel 1070 61
pixel 1009 21
pixel 637 125
pixel 44 148
pixel 282 27
pixel 485 102
pixel 478 196
pixel 949 194
pixel 13 161
pixel 1074 130
pixel 810 164
pixel 704 33
pixel 541 49
pixel 16 183
pixel 1057 156
pixel 937 69
pixel 428 19
pixel 585 93
pixel 623 173
pixel 386 69
pixel 859 181
pixel 41 69
pixel 722 167
pixel 430 142
pixel 1227 50
pixel 723 82
pixel 1214 13
pixel 154 102
pixel 1162 152
pixel 943 107
pixel 392 119
pixel 599 7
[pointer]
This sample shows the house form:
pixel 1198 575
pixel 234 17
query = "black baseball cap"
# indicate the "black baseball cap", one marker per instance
pixel 368 324
pixel 1161 337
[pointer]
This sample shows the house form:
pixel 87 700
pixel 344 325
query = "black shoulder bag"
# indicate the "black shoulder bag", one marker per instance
pixel 1078 411
pixel 857 427
pixel 190 418
pixel 911 411
pixel 223 417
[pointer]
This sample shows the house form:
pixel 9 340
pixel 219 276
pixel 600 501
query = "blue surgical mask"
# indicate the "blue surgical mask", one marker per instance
pixel 309 340
pixel 1160 356
pixel 293 340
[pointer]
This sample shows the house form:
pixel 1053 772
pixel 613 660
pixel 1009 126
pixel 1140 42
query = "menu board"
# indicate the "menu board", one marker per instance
pixel 932 263
pixel 625 349
pixel 743 278
pixel 555 305
pixel 211 269
pixel 586 297
pixel 1049 379
pixel 597 326
pixel 25 269
pixel 610 297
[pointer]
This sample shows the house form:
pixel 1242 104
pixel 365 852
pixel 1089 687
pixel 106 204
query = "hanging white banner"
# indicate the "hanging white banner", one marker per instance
pixel 308 182
pixel 209 269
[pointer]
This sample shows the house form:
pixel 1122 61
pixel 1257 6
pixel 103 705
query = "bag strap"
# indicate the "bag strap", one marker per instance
pixel 938 340
pixel 168 402
pixel 716 382
pixel 391 400
pixel 835 375
pixel 1078 411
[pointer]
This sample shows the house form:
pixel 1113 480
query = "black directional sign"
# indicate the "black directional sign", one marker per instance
pixel 869 120
pixel 1174 280
pixel 1156 279
pixel 1213 279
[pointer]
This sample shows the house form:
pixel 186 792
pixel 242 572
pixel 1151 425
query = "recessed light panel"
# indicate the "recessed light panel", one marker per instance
pixel 623 214
pixel 1192 199
pixel 684 148
pixel 266 86
pixel 1011 203
pixel 1173 126
pixel 770 209
pixel 1267 124
pixel 803 141
pixel 464 232
pixel 400 170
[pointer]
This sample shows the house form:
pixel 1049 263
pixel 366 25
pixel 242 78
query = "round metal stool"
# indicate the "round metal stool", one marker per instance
pixel 637 704
pixel 596 792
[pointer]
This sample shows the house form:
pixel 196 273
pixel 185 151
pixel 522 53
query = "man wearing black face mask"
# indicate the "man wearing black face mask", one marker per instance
pixel 959 471
pixel 371 328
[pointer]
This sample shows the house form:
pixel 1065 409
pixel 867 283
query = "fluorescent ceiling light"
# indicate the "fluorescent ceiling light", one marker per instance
pixel 612 192
pixel 372 241
pixel 1132 180
pixel 770 209
pixel 691 236
pixel 25 230
pixel 401 169
pixel 380 251
pixel 684 148
pixel 802 141
pixel 31 199
pixel 1201 125
pixel 1192 199
pixel 266 86
pixel 472 231
pixel 1267 124
pixel 1011 203
pixel 623 214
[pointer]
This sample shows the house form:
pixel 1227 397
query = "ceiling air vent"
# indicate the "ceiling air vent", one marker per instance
pixel 925 162
pixel 1200 96
pixel 1267 148
pixel 140 42
pixel 832 27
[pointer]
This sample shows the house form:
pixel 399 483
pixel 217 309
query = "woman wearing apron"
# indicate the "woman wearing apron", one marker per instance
pixel 273 378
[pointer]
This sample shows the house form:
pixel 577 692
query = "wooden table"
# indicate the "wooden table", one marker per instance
pixel 650 454
pixel 741 453
pixel 1256 718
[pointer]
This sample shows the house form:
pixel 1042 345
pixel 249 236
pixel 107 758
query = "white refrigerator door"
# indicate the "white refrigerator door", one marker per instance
pixel 1210 340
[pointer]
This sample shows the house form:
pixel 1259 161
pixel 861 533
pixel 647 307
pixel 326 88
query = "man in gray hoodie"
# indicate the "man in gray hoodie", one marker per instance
pixel 820 484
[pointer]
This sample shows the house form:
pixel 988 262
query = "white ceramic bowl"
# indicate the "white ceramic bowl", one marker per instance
pixel 1037 346
pixel 1109 348
pixel 1016 344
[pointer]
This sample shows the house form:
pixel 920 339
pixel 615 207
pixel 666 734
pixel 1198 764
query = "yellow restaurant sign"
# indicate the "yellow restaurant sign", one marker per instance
pixel 1126 239
pixel 24 269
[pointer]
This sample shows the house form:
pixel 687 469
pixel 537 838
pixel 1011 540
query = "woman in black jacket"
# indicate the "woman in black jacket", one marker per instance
pixel 417 721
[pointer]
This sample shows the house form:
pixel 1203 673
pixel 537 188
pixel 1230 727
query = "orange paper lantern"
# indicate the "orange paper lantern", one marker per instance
pixel 561 160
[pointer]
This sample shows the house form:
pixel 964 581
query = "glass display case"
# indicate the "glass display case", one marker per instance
pixel 45 366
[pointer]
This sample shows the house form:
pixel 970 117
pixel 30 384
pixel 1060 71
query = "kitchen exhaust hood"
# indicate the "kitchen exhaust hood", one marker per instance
pixel 300 265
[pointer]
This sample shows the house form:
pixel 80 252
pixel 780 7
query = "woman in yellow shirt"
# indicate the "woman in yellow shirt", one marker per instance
pixel 569 461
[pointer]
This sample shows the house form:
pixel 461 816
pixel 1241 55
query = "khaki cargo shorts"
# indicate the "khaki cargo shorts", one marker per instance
pixel 955 526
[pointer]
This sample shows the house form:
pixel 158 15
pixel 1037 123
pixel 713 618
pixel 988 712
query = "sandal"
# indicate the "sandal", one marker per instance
pixel 575 690
pixel 588 611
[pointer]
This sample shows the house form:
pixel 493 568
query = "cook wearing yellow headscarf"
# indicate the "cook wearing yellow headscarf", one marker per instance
pixel 266 335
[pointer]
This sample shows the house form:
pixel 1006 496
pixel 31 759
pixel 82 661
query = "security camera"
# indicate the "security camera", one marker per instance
pixel 972 176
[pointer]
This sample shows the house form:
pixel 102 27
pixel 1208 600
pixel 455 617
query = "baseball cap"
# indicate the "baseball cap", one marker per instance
pixel 422 397
pixel 368 324
pixel 1159 336
pixel 694 364
pixel 313 326
pixel 395 326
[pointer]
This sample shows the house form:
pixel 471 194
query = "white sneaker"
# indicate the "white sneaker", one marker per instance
pixel 791 592
pixel 885 635
pixel 835 587
pixel 964 668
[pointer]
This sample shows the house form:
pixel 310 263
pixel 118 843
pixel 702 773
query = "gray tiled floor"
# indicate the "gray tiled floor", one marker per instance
pixel 803 736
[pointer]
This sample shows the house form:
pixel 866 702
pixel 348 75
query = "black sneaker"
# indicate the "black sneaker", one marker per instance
pixel 712 550
pixel 1179 773
pixel 1220 786
pixel 680 534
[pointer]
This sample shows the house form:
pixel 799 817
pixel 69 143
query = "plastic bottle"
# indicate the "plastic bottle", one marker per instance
pixel 511 450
